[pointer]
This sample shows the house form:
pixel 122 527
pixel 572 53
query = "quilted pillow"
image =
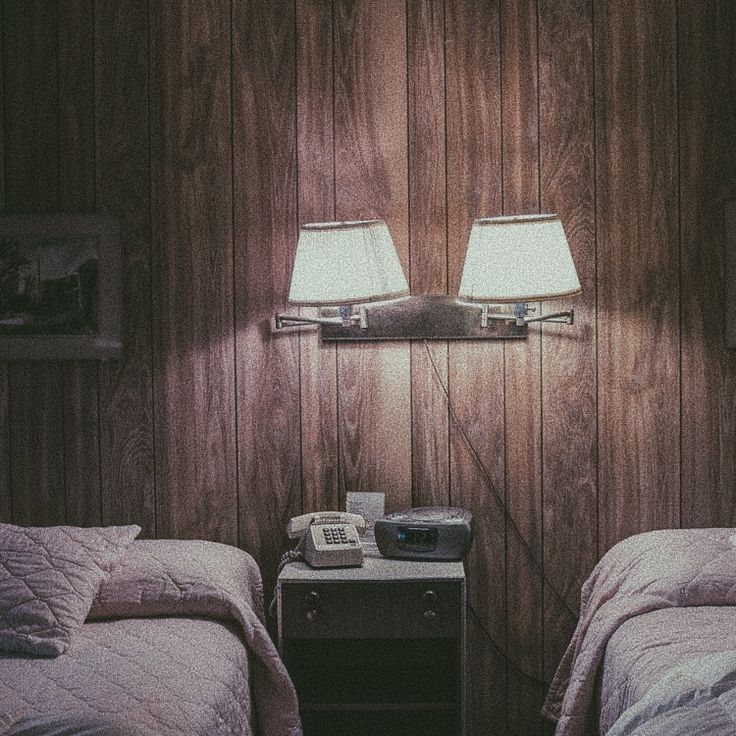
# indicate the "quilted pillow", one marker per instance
pixel 49 577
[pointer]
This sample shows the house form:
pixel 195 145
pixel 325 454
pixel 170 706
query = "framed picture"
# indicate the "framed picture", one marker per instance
pixel 60 287
pixel 729 216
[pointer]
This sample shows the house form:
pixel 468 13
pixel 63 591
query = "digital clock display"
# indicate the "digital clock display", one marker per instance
pixel 417 538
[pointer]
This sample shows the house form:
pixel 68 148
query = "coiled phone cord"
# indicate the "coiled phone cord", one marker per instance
pixel 293 555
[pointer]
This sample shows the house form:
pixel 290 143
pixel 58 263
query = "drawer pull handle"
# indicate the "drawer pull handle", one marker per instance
pixel 430 614
pixel 312 615
pixel 312 598
pixel 429 597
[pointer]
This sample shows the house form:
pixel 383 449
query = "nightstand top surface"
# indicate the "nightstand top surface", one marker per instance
pixel 375 568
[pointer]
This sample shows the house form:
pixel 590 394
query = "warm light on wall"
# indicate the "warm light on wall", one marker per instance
pixel 509 260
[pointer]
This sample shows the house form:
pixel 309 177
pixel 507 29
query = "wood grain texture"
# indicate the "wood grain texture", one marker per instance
pixel 32 165
pixel 638 317
pixel 194 396
pixel 77 193
pixel 474 188
pixel 427 243
pixel 707 129
pixel 426 97
pixel 568 353
pixel 264 78
pixel 374 402
pixel 6 500
pixel 522 370
pixel 5 456
pixel 36 444
pixel 316 187
pixel 122 187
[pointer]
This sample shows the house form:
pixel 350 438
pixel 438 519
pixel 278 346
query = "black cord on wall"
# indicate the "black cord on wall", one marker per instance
pixel 536 564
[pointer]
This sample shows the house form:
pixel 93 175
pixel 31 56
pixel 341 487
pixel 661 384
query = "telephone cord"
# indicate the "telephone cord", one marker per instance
pixel 293 555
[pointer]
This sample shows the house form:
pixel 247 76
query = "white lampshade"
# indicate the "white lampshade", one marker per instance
pixel 520 258
pixel 346 263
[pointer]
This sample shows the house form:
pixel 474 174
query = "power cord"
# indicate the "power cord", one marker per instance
pixel 501 650
pixel 496 495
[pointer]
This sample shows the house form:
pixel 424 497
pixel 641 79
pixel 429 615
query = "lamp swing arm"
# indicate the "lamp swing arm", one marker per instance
pixel 519 315
pixel 346 316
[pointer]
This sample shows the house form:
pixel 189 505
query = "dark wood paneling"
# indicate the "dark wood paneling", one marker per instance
pixel 77 193
pixel 414 103
pixel 32 165
pixel 374 402
pixel 568 353
pixel 194 386
pixel 522 365
pixel 36 418
pixel 428 243
pixel 316 186
pixel 5 474
pixel 81 444
pixel 122 162
pixel 474 188
pixel 266 230
pixel 707 177
pixel 638 314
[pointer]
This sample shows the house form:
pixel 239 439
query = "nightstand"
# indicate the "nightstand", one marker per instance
pixel 378 649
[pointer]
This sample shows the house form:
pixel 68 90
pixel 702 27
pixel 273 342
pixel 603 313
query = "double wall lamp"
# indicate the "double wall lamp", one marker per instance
pixel 352 271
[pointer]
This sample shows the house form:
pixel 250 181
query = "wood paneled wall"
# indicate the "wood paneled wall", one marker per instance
pixel 214 128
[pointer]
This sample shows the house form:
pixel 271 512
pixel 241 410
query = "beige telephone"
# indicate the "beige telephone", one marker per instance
pixel 328 538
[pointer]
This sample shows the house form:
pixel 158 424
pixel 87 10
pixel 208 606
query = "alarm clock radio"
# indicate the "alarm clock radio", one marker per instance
pixel 425 533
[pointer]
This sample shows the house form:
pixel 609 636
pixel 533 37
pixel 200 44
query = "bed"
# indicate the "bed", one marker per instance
pixel 174 643
pixel 654 652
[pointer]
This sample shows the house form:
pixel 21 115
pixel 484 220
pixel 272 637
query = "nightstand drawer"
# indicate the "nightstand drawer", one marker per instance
pixel 377 610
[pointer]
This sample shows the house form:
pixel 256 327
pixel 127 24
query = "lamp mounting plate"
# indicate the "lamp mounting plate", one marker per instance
pixel 423 318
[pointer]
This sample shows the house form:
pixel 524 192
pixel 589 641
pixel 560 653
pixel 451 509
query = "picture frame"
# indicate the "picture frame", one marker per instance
pixel 60 287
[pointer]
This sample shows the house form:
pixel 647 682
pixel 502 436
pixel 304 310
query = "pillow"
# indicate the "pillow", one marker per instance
pixel 49 577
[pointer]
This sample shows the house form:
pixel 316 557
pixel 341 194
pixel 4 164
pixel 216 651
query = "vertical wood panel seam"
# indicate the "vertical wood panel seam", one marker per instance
pixel 679 246
pixel 596 287
pixel 501 157
pixel 409 237
pixel 506 636
pixel 3 112
pixel 334 161
pixel 447 219
pixel 7 397
pixel 540 552
pixel 93 18
pixel 448 412
pixel 298 219
pixel 59 366
pixel 98 364
pixel 338 442
pixel 408 178
pixel 233 242
pixel 151 269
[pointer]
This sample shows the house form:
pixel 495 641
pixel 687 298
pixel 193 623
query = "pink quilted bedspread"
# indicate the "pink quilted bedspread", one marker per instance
pixel 175 642
pixel 645 573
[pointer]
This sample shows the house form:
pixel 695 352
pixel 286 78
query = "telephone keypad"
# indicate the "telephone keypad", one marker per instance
pixel 334 535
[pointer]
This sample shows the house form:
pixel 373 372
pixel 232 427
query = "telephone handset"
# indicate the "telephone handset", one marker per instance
pixel 328 538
